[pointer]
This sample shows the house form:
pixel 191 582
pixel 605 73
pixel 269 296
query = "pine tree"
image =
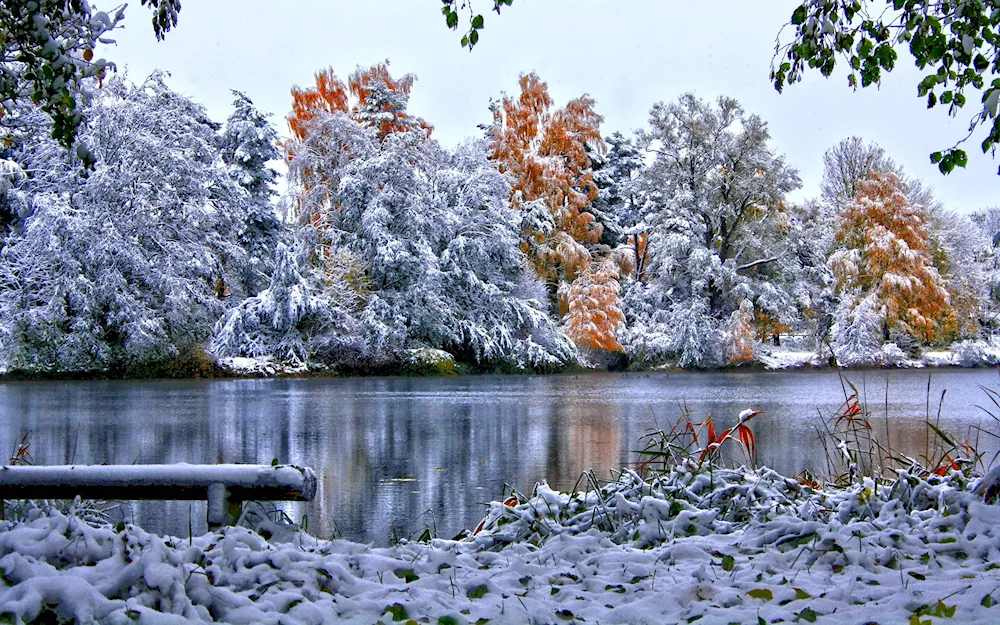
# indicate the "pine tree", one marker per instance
pixel 248 144
pixel 288 321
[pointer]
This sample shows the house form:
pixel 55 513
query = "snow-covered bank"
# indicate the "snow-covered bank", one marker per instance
pixel 715 546
pixel 963 354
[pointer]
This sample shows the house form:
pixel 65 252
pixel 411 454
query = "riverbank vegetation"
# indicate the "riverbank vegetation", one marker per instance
pixel 539 246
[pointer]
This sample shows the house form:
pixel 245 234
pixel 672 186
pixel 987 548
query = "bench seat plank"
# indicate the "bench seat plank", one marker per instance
pixel 243 482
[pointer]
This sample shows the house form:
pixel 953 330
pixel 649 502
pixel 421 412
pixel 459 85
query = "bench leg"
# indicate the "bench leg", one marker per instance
pixel 219 507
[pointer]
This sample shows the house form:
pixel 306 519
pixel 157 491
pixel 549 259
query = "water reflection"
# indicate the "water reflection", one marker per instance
pixel 396 455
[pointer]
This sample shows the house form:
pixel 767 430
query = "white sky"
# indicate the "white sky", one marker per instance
pixel 626 54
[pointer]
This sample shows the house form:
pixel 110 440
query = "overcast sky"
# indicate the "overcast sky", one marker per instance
pixel 626 54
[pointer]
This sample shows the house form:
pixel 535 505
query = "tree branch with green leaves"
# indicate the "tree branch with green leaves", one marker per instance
pixel 47 59
pixel 955 42
pixel 451 9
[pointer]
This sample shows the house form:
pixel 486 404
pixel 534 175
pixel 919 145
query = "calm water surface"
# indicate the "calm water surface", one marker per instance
pixel 396 455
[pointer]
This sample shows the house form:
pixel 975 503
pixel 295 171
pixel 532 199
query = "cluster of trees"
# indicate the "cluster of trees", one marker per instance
pixel 540 244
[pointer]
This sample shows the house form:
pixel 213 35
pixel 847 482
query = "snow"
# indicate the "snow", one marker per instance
pixel 718 545
pixel 788 359
pixel 245 366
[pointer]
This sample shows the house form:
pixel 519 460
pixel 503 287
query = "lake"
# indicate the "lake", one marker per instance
pixel 396 455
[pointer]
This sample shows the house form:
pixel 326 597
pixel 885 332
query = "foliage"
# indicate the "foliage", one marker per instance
pixel 595 317
pixel 884 255
pixel 129 265
pixel 476 21
pixel 954 43
pixel 545 151
pixel 48 60
pixel 371 96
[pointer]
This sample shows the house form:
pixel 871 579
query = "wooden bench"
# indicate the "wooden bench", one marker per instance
pixel 224 486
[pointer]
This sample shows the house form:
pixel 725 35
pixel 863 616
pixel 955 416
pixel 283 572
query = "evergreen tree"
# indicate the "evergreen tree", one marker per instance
pixel 248 145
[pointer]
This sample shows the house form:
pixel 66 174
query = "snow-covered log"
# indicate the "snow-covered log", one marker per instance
pixel 222 485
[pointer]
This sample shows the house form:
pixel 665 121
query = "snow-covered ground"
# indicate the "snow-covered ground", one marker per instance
pixel 258 367
pixel 713 546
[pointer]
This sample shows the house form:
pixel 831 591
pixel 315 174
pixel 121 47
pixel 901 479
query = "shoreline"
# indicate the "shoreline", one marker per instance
pixel 248 368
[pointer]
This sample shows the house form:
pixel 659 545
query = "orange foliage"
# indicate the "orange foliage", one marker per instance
pixel 545 151
pixel 370 97
pixel 887 252
pixel 769 326
pixel 331 95
pixel 595 315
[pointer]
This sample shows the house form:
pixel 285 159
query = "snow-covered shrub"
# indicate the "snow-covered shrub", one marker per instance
pixel 891 355
pixel 427 361
pixel 971 353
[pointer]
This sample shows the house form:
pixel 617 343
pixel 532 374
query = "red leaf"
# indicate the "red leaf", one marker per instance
pixel 747 438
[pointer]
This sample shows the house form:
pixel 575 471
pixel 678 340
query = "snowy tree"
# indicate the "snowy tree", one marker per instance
pixel 740 337
pixel 122 268
pixel 371 96
pixel 290 321
pixel 546 152
pixel 327 123
pixel 434 234
pixel 248 145
pixel 594 316
pixel 847 164
pixel 496 302
pixel 884 254
pixel 987 222
pixel 958 250
pixel 857 334
pixel 619 205
pixel 810 230
pixel 716 216
pixel 852 161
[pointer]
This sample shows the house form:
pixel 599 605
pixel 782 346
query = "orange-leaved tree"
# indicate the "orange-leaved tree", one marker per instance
pixel 320 115
pixel 371 96
pixel 884 252
pixel 545 151
pixel 594 314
